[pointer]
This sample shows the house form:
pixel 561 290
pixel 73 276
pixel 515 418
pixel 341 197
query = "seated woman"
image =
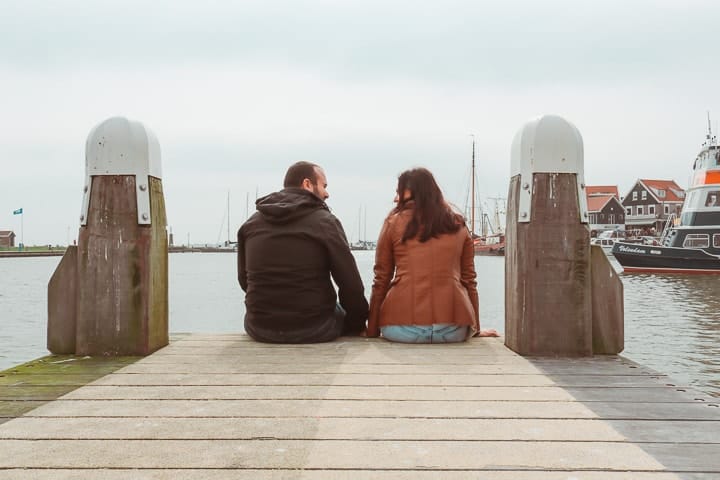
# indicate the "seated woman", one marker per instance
pixel 424 289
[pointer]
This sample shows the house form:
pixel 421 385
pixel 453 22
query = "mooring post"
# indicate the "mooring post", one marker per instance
pixel 120 295
pixel 548 273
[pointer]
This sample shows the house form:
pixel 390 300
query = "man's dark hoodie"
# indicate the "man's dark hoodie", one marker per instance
pixel 287 251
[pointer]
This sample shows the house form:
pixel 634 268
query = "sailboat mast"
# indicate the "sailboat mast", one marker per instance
pixel 472 193
pixel 365 225
pixel 228 225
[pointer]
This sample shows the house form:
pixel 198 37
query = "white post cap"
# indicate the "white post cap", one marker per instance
pixel 547 144
pixel 119 146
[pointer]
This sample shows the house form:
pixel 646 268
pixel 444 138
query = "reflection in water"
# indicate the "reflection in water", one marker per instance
pixel 672 324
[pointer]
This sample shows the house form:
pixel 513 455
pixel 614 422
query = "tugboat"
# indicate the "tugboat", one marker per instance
pixel 693 244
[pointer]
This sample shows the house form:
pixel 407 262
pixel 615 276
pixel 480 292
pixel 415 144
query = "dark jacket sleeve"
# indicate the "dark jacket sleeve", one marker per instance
pixel 344 271
pixel 242 272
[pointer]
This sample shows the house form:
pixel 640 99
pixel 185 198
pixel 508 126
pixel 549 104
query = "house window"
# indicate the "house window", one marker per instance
pixel 666 209
pixel 661 193
pixel 611 218
pixel 628 210
pixel 640 210
pixel 716 240
pixel 651 210
pixel 634 195
pixel 696 240
pixel 644 195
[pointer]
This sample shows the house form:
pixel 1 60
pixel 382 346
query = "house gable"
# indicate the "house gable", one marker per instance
pixel 613 206
pixel 656 192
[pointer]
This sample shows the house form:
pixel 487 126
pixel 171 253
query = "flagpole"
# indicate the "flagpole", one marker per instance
pixel 22 237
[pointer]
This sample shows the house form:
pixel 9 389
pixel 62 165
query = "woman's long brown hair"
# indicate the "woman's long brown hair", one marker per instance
pixel 432 216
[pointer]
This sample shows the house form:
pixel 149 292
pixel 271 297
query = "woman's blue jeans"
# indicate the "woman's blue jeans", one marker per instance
pixel 437 333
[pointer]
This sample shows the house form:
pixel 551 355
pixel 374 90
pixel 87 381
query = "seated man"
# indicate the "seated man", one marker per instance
pixel 287 251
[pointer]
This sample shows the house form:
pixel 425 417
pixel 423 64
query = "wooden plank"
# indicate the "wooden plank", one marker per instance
pixel 306 392
pixel 311 428
pixel 314 408
pixel 241 473
pixel 327 454
pixel 337 379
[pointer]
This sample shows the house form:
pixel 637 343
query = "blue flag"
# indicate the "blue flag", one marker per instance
pixel 17 212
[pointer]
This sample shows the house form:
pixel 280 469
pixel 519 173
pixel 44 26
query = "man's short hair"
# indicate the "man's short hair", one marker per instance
pixel 298 172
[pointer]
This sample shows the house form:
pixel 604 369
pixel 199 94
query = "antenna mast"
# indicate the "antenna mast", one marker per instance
pixel 710 137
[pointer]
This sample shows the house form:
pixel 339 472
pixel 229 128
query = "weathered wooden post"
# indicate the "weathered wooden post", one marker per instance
pixel 118 303
pixel 548 272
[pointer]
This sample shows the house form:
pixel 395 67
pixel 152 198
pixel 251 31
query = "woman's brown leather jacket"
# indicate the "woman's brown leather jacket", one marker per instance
pixel 422 283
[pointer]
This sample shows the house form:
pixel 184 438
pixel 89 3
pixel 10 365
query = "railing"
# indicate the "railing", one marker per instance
pixel 666 229
pixel 641 218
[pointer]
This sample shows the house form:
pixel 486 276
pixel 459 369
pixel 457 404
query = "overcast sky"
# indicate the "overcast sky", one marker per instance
pixel 237 91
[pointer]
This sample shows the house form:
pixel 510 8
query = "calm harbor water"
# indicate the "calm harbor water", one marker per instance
pixel 672 322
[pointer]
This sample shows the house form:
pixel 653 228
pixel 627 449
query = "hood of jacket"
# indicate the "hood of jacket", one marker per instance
pixel 288 205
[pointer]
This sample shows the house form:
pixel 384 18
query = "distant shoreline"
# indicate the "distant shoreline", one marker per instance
pixel 33 253
pixel 60 252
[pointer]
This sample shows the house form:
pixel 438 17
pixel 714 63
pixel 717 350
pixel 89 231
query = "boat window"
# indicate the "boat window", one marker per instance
pixel 713 198
pixel 703 160
pixel 716 240
pixel 696 240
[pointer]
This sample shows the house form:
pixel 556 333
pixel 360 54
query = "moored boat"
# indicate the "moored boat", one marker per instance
pixel 609 238
pixel 490 244
pixel 690 244
pixel 492 239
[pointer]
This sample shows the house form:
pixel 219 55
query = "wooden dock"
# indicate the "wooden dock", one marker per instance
pixel 223 407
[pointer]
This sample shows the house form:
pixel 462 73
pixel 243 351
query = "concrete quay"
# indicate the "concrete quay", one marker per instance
pixel 221 407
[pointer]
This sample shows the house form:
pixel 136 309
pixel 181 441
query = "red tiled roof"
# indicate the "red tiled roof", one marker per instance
pixel 598 202
pixel 671 189
pixel 602 189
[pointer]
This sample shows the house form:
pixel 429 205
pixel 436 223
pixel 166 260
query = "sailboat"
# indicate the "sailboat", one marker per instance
pixel 362 244
pixel 229 243
pixel 492 243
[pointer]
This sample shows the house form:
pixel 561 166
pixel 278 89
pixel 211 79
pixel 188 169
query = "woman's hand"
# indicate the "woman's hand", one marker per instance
pixel 487 332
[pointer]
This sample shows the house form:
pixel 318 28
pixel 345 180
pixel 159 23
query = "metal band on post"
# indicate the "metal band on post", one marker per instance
pixel 119 146
pixel 547 144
